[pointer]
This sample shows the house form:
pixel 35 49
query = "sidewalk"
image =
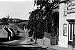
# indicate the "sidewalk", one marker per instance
pixel 45 43
pixel 56 47
pixel 60 48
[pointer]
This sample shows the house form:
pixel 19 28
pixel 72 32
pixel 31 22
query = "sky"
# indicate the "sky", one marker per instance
pixel 16 8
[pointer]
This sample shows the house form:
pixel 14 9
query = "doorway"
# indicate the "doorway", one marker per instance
pixel 71 34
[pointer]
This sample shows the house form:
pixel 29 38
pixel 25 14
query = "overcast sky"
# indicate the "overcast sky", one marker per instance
pixel 16 9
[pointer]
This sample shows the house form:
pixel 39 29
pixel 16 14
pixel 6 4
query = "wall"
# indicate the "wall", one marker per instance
pixel 63 40
pixel 3 33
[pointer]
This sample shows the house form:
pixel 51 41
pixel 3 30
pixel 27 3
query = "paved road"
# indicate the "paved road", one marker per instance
pixel 21 48
pixel 21 44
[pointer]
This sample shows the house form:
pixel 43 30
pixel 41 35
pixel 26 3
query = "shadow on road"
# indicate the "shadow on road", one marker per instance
pixel 3 39
pixel 6 39
pixel 22 48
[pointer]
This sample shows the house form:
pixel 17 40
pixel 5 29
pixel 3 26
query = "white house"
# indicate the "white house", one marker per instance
pixel 66 23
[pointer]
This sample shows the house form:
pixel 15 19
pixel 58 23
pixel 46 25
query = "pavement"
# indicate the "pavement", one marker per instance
pixel 56 47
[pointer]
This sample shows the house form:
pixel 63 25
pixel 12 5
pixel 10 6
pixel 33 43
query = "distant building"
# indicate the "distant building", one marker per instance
pixel 13 21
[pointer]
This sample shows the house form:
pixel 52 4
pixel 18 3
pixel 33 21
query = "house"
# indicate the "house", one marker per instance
pixel 67 23
pixel 14 23
pixel 11 21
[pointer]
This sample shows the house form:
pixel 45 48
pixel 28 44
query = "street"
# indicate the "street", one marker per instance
pixel 21 48
pixel 21 44
pixel 6 47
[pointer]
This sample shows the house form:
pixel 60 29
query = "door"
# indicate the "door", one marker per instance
pixel 72 34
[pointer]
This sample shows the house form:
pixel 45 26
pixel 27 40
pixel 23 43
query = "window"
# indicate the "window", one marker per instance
pixel 65 29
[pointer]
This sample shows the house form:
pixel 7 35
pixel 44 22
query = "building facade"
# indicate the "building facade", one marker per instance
pixel 67 23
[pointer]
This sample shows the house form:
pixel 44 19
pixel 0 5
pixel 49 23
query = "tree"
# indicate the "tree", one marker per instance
pixel 36 23
pixel 51 17
pixel 4 21
pixel 42 19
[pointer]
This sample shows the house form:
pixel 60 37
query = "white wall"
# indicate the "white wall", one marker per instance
pixel 3 33
pixel 63 40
